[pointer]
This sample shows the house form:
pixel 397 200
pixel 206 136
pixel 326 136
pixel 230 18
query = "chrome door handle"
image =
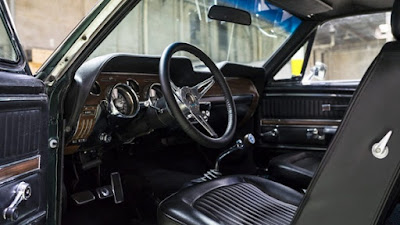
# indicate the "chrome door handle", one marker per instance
pixel 271 134
pixel 329 107
pixel 23 192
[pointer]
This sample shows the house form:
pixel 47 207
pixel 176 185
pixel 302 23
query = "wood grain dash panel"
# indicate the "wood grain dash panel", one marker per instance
pixel 19 168
pixel 107 80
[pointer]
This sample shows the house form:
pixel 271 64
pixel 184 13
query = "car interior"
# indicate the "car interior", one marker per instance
pixel 180 138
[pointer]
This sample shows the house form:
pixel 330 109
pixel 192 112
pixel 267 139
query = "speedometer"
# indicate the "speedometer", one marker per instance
pixel 120 101
pixel 123 101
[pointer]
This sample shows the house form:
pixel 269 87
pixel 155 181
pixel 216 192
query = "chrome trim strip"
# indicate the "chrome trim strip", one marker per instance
pixel 81 130
pixel 25 98
pixel 307 95
pixel 295 147
pixel 301 126
pixel 299 122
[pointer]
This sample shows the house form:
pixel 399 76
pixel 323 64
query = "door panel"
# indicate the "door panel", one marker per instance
pixel 301 117
pixel 304 106
pixel 23 134
pixel 23 146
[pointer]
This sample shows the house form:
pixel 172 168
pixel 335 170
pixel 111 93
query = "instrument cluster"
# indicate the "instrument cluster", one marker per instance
pixel 124 99
pixel 126 96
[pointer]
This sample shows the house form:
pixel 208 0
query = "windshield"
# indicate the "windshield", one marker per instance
pixel 153 24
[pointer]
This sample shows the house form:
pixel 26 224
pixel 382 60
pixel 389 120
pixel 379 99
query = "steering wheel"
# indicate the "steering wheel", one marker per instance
pixel 184 102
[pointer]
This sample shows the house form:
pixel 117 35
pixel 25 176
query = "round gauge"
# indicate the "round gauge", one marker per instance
pixel 123 101
pixel 154 93
pixel 95 90
pixel 133 84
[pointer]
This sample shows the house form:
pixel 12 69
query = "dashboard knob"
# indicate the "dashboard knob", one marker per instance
pixel 249 139
pixel 104 137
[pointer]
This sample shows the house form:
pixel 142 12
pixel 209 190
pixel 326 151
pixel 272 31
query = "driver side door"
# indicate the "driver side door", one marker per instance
pixel 23 133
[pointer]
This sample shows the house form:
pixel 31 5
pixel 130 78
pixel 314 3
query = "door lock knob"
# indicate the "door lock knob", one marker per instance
pixel 23 192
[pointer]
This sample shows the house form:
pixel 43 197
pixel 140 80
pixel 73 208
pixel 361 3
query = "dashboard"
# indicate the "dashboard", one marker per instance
pixel 115 90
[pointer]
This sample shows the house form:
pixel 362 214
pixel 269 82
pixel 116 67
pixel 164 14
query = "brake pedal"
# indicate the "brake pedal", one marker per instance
pixel 83 197
pixel 116 187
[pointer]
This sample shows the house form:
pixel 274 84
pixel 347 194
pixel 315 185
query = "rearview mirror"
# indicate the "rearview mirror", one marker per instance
pixel 229 14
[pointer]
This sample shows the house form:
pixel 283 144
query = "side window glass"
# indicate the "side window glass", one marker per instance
pixel 344 48
pixel 293 68
pixel 7 51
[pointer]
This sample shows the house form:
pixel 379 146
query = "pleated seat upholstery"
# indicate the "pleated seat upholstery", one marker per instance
pixel 245 204
pixel 247 200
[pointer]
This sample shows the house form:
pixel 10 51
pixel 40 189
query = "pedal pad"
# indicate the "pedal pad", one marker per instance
pixel 83 197
pixel 116 187
pixel 104 192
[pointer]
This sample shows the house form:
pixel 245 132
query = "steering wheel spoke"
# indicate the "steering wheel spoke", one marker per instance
pixel 202 121
pixel 204 86
pixel 174 87
pixel 184 102
pixel 176 91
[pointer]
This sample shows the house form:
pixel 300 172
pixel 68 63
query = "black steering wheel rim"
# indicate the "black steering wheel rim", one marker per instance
pixel 173 106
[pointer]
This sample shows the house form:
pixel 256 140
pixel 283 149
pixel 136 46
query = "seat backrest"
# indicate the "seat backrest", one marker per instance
pixel 352 186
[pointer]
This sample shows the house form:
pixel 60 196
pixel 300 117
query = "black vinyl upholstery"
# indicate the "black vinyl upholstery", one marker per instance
pixel 351 186
pixel 395 20
pixel 231 200
pixel 295 169
pixel 349 165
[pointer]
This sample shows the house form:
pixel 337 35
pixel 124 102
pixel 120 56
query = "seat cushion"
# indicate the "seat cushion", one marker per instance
pixel 295 169
pixel 231 200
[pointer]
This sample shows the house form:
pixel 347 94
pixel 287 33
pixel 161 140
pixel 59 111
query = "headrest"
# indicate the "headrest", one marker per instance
pixel 396 19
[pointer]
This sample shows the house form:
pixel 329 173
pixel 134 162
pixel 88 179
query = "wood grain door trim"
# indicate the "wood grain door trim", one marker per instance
pixel 18 168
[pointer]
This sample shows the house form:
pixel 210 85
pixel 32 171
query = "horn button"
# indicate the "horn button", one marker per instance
pixel 190 99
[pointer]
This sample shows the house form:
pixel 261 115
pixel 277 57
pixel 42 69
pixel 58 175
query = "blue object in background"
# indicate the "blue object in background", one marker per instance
pixel 267 12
